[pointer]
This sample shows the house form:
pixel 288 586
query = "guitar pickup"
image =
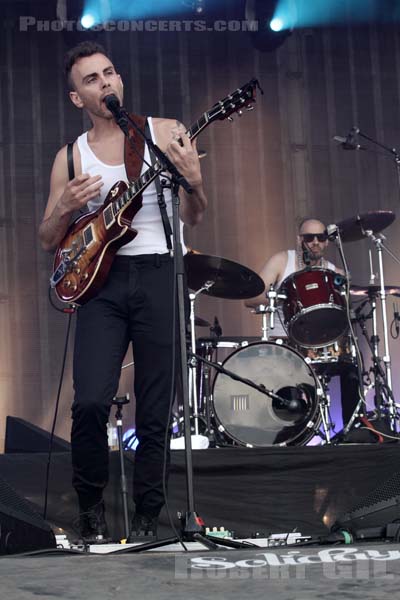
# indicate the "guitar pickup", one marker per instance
pixel 108 216
pixel 88 235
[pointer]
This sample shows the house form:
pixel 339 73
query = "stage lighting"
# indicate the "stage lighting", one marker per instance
pixel 197 6
pixel 87 21
pixel 271 29
pixel 276 24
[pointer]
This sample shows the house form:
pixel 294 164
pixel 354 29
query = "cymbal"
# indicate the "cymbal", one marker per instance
pixel 352 229
pixel 362 291
pixel 231 280
pixel 199 322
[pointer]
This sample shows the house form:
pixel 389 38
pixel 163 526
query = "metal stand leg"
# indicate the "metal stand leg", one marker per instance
pixel 377 239
pixel 193 399
pixel 324 402
pixel 119 402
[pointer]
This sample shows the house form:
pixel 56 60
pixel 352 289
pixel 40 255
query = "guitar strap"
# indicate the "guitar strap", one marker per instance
pixel 70 159
pixel 133 158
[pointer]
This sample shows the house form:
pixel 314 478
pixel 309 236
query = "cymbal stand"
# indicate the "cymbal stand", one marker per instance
pixel 359 360
pixel 205 391
pixel 379 373
pixel 377 240
pixel 324 404
pixel 193 399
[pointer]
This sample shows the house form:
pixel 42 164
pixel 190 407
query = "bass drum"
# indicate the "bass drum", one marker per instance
pixel 251 418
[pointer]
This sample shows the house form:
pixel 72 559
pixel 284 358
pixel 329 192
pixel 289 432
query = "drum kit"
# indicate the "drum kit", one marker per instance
pixel 273 390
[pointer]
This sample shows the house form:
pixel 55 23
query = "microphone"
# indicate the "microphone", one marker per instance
pixel 306 255
pixel 332 231
pixel 348 142
pixel 114 106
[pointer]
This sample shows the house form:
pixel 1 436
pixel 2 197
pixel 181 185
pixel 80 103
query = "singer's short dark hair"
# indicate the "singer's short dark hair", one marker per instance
pixel 81 50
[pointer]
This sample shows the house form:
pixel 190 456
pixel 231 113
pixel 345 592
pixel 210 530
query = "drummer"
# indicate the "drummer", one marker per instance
pixel 312 243
pixel 311 247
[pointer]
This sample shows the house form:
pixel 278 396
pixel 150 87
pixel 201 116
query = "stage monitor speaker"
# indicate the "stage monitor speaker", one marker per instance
pixel 22 529
pixel 24 437
pixel 379 508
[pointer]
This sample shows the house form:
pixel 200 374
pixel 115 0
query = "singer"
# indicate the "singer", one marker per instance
pixel 311 246
pixel 136 303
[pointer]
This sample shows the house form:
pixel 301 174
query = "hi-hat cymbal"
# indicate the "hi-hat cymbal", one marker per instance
pixel 354 228
pixel 361 291
pixel 199 322
pixel 230 279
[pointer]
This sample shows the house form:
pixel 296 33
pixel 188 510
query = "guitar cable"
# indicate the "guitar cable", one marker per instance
pixel 70 311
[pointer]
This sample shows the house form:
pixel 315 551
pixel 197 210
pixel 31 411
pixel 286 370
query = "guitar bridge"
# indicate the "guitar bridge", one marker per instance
pixel 59 273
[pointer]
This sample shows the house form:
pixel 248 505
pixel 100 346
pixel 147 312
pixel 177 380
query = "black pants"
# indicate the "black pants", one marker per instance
pixel 136 304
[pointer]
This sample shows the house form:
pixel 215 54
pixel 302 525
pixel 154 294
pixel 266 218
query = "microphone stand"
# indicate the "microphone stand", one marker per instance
pixel 192 526
pixel 395 154
pixel 256 386
pixel 335 234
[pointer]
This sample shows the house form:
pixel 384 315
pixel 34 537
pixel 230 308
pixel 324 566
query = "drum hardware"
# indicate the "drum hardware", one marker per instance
pixel 221 278
pixel 268 309
pixel 377 240
pixel 368 226
pixel 324 404
pixel 293 410
pixel 383 394
pixel 338 233
pixel 208 347
pixel 192 362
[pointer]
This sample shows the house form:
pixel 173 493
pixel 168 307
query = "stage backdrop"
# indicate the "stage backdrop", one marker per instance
pixel 261 173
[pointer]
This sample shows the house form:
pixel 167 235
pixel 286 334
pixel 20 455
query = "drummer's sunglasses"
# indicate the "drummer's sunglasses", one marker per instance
pixel 309 237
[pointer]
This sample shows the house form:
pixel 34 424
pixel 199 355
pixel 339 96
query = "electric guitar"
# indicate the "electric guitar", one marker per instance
pixel 85 255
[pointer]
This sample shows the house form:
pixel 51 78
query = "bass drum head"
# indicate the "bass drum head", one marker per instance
pixel 252 418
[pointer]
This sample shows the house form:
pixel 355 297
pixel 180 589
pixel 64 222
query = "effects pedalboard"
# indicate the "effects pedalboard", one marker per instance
pixel 259 539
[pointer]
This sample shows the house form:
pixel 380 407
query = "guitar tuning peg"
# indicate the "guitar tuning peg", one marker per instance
pixel 240 112
pixel 230 119
pixel 250 107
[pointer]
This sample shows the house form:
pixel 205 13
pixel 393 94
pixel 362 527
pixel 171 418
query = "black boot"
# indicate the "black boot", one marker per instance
pixel 143 529
pixel 92 524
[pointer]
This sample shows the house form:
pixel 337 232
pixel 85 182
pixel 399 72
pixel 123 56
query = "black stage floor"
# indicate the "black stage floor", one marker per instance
pixel 271 490
pixel 264 490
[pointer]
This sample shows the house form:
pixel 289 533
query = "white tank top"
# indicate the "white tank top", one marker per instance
pixel 291 266
pixel 150 238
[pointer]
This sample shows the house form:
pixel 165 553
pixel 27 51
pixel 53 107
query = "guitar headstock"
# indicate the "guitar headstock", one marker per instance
pixel 241 99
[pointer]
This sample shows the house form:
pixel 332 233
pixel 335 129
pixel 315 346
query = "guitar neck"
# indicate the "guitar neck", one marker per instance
pixel 139 185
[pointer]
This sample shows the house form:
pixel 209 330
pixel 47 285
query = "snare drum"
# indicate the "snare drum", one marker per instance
pixel 314 310
pixel 331 360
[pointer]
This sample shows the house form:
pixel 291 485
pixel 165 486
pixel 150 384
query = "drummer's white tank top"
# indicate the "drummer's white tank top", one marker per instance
pixel 292 268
